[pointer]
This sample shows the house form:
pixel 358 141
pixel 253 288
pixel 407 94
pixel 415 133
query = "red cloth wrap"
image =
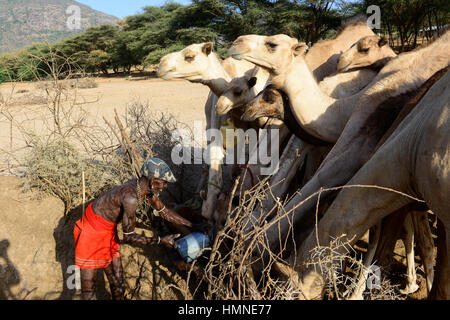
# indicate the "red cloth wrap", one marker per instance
pixel 96 241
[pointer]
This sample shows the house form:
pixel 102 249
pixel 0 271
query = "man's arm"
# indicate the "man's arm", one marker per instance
pixel 129 225
pixel 168 214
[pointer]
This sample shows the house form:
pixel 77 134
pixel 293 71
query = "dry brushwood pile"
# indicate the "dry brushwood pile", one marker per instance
pixel 357 208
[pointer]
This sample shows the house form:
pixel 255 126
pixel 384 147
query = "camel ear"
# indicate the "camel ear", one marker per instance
pixel 208 48
pixel 251 82
pixel 382 42
pixel 299 49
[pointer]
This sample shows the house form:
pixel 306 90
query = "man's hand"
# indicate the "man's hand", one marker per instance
pixel 169 240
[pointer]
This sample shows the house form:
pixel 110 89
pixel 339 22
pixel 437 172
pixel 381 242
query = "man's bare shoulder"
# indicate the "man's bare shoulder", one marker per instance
pixel 128 192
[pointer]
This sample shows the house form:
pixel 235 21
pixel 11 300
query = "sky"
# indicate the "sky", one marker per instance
pixel 121 8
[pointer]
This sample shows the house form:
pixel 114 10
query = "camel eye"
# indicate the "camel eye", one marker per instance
pixel 189 58
pixel 364 50
pixel 268 97
pixel 271 45
pixel 237 93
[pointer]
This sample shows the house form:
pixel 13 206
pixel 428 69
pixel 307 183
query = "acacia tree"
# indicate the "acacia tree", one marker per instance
pixel 407 20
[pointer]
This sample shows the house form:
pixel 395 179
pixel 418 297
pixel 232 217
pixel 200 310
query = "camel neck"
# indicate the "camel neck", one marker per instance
pixel 295 128
pixel 217 79
pixel 317 113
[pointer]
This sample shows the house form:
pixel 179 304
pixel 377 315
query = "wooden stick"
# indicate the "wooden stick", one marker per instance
pixel 124 134
pixel 84 188
pixel 124 147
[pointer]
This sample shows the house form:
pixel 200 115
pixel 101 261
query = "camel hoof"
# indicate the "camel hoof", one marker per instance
pixel 409 289
pixel 356 297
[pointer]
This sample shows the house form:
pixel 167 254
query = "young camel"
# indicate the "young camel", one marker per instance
pixel 370 51
pixel 323 56
pixel 274 103
pixel 372 111
pixel 415 160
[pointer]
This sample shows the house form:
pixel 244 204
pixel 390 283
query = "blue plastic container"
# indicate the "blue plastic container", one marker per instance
pixel 192 245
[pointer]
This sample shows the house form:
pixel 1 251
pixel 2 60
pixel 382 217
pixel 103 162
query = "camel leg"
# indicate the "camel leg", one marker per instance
pixel 408 240
pixel 441 283
pixel 290 161
pixel 357 209
pixel 425 245
pixel 389 234
pixel 216 155
pixel 374 238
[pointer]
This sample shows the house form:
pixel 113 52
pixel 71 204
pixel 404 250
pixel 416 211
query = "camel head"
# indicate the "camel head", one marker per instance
pixel 239 91
pixel 268 103
pixel 274 53
pixel 192 63
pixel 368 51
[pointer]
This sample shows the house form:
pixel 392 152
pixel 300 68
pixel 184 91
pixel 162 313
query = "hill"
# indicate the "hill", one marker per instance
pixel 24 22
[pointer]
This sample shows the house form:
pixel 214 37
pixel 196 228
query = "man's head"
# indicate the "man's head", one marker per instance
pixel 158 173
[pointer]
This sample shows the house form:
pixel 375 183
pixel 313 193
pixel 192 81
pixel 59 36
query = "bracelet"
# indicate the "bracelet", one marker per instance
pixel 159 240
pixel 157 212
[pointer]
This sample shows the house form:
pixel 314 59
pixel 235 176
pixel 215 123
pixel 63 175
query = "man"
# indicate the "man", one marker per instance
pixel 96 240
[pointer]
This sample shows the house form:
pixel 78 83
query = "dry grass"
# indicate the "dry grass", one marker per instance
pixel 233 272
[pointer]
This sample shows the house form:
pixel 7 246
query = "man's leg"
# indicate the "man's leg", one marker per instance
pixel 88 280
pixel 114 273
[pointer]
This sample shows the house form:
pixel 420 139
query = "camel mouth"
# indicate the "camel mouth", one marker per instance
pixel 250 115
pixel 165 74
pixel 258 62
pixel 344 68
pixel 222 111
pixel 237 56
pixel 236 53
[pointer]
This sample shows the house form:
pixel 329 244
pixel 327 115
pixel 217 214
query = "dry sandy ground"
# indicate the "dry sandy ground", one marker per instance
pixel 37 250
pixel 36 240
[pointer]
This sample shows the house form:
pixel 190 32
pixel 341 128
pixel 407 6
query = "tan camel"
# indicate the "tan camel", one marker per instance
pixel 414 161
pixel 374 110
pixel 271 103
pixel 369 51
pixel 198 63
pixel 322 57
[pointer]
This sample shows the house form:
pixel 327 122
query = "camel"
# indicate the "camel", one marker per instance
pixel 370 51
pixel 198 63
pixel 271 103
pixel 415 162
pixel 323 56
pixel 372 111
